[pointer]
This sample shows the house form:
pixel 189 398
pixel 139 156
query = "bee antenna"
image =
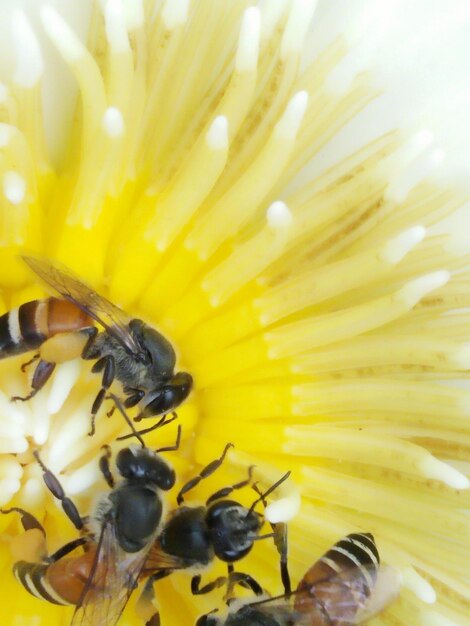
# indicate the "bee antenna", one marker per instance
pixel 121 410
pixel 259 537
pixel 263 496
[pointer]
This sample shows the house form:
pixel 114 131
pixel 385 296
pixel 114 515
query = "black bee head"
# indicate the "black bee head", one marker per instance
pixel 169 395
pixel 233 529
pixel 144 465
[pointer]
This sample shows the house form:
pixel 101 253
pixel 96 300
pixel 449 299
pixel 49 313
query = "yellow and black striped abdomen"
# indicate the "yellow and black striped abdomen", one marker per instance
pixel 28 326
pixel 33 577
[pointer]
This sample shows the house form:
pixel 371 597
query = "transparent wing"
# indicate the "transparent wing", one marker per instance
pixel 108 315
pixel 346 597
pixel 157 559
pixel 386 590
pixel 113 577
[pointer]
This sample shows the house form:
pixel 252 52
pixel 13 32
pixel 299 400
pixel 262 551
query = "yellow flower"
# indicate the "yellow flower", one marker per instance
pixel 321 313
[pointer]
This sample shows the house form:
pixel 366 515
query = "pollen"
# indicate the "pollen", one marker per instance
pixel 217 170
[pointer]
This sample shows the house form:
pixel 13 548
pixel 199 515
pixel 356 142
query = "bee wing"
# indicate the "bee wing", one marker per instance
pixel 386 590
pixel 346 598
pixel 113 577
pixel 108 315
pixel 157 559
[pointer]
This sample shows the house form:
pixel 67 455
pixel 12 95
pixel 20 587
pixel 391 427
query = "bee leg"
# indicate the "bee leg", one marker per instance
pixel 90 351
pixel 134 397
pixel 41 375
pixel 66 549
pixel 104 465
pixel 244 580
pixel 24 366
pixel 108 366
pixel 28 521
pixel 207 471
pixel 54 486
pixel 280 541
pixel 175 446
pixel 197 590
pixel 225 491
pixel 161 422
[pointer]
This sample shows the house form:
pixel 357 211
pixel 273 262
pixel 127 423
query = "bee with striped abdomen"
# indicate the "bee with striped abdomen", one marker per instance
pixel 116 538
pixel 345 587
pixel 64 328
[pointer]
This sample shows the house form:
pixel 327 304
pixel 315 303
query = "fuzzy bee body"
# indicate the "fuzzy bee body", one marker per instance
pixel 61 582
pixel 27 327
pixel 340 589
pixel 83 323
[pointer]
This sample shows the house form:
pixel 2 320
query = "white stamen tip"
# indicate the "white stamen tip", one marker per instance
pixel 298 23
pixel 175 13
pixel 217 135
pixel 284 509
pixel 278 216
pixel 116 31
pixel 290 122
pixel 62 35
pixel 413 291
pixel 398 247
pixel 418 585
pixel 29 62
pixel 134 13
pixel 113 122
pixel 438 470
pixel 248 43
pixel 14 187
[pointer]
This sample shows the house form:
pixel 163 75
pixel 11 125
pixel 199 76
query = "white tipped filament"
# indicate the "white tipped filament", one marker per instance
pixel 175 13
pixel 300 17
pixel 14 187
pixel 289 124
pixel 29 62
pixel 396 249
pixel 217 135
pixel 62 35
pixel 113 122
pixel 248 43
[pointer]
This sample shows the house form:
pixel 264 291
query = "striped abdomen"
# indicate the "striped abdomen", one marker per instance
pixel 61 582
pixel 28 326
pixel 340 582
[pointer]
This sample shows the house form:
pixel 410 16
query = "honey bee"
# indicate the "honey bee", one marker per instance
pixel 116 538
pixel 192 537
pixel 345 587
pixel 126 349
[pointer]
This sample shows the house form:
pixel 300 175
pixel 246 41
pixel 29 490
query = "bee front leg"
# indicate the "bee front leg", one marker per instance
pixel 205 472
pixel 197 590
pixel 104 466
pixel 108 366
pixel 24 366
pixel 41 375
